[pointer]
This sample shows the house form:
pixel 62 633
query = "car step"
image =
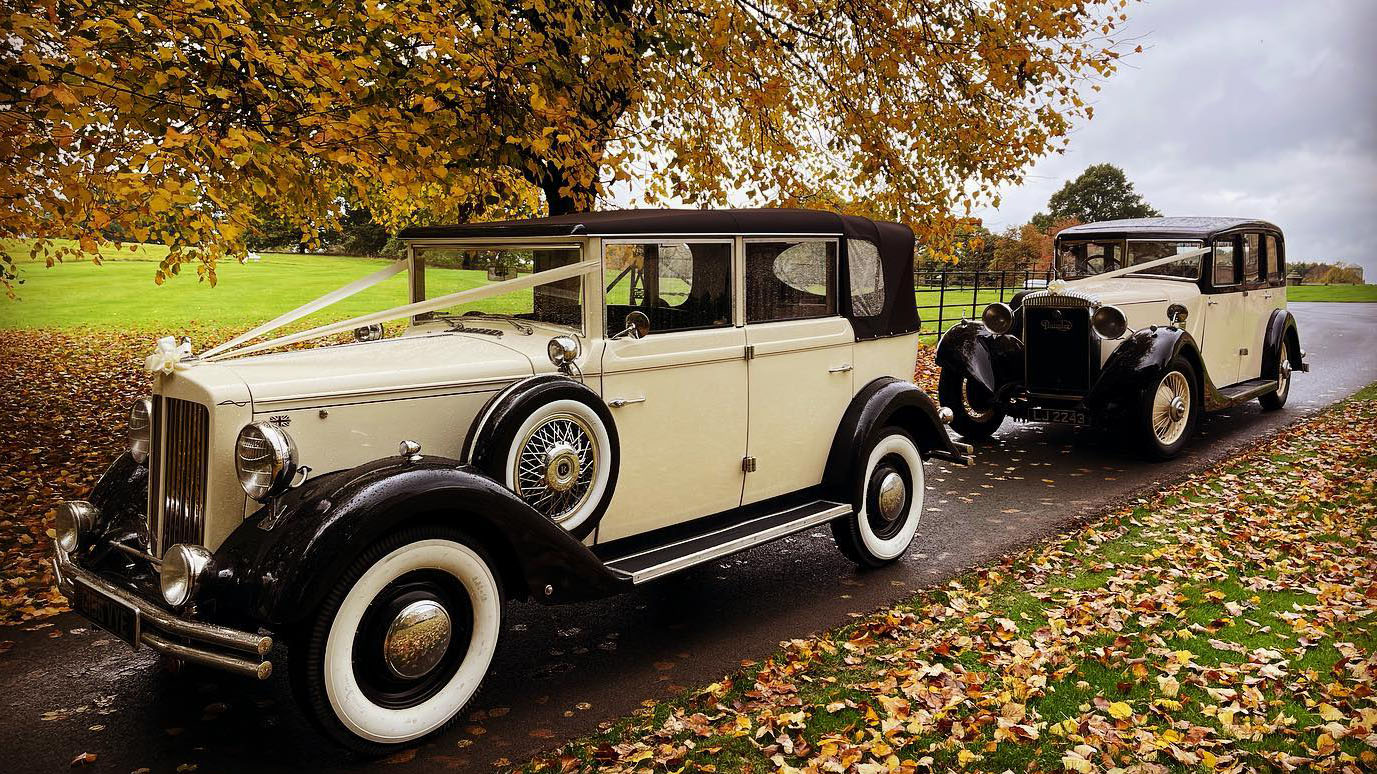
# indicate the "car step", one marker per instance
pixel 1248 390
pixel 663 560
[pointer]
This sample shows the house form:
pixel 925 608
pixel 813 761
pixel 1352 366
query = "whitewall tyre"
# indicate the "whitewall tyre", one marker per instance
pixel 888 501
pixel 1168 410
pixel 402 642
pixel 1275 400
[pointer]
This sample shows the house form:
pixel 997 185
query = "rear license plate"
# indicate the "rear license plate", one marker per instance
pixel 1062 416
pixel 107 612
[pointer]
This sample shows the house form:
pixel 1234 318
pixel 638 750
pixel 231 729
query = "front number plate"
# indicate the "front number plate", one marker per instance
pixel 107 612
pixel 1062 416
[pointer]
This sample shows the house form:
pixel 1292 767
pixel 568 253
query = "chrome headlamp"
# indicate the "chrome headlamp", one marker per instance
pixel 265 459
pixel 75 520
pixel 1109 322
pixel 998 317
pixel 140 429
pixel 181 572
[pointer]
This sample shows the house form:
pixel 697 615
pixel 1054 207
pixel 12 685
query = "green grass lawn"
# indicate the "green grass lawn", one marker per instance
pixel 1332 293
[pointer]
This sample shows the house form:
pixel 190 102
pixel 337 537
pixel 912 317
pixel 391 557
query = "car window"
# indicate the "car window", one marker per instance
pixel 790 279
pixel 1273 258
pixel 679 285
pixel 1225 272
pixel 1252 247
pixel 1085 259
pixel 440 271
pixel 1142 251
pixel 867 278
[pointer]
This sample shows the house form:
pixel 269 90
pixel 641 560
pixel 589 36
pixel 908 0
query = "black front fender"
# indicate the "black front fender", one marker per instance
pixel 884 402
pixel 1141 360
pixel 279 564
pixel 991 359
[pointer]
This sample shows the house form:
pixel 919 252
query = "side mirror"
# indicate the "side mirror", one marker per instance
pixel 1177 314
pixel 369 332
pixel 637 326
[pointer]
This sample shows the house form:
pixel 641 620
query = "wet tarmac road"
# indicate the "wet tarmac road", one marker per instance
pixel 67 688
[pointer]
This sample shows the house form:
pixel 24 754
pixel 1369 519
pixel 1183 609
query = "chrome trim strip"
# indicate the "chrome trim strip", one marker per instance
pixel 403 392
pixel 732 546
pixel 152 615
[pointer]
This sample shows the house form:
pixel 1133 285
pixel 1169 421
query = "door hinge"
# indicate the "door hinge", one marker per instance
pixel 1243 351
pixel 750 351
pixel 748 464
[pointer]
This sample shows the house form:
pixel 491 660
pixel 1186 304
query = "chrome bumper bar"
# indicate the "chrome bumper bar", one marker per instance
pixel 158 626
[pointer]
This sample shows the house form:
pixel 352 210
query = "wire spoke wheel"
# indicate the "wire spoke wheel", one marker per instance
pixel 980 409
pixel 556 466
pixel 1171 408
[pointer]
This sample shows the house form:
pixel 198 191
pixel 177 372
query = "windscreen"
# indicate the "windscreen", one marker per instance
pixel 1076 260
pixel 440 271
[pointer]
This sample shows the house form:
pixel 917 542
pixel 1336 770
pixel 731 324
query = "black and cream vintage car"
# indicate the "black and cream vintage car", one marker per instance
pixel 574 405
pixel 1149 322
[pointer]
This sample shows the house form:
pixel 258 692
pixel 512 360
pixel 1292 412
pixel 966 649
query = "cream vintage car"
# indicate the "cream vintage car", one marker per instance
pixel 575 405
pixel 1150 322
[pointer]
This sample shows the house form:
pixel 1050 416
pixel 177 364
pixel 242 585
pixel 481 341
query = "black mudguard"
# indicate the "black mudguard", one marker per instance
pixel 991 359
pixel 881 403
pixel 1141 360
pixel 279 564
pixel 1281 326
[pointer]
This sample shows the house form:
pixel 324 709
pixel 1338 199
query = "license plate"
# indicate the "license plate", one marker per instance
pixel 1062 416
pixel 107 612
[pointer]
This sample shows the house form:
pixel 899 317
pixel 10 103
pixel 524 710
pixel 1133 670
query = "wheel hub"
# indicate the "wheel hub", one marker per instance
pixel 892 495
pixel 1177 408
pixel 417 639
pixel 561 467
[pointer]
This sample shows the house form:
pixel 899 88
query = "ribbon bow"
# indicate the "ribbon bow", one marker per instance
pixel 169 356
pixel 1056 286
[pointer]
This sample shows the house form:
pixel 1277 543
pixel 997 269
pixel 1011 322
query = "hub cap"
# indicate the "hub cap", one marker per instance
pixel 1284 373
pixel 893 493
pixel 887 497
pixel 556 466
pixel 1171 407
pixel 417 639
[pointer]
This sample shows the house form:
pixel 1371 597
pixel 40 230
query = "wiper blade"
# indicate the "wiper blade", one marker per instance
pixel 521 325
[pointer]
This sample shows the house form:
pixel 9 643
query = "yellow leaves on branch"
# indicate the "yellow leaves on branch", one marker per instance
pixel 191 123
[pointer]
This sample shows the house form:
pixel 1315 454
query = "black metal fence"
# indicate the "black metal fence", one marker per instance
pixel 946 296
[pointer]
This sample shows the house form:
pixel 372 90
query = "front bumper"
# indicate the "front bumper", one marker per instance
pixel 218 647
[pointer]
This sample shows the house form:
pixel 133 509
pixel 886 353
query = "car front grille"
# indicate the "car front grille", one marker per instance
pixel 177 472
pixel 1057 348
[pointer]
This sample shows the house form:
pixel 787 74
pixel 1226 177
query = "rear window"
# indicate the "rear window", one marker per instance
pixel 867 278
pixel 1273 256
pixel 1252 250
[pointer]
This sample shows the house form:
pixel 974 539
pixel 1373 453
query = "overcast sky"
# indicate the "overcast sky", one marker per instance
pixel 1254 108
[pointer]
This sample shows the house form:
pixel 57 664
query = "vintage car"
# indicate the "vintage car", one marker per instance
pixel 1149 322
pixel 576 405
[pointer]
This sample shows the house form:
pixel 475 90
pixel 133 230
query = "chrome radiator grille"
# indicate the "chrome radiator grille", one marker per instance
pixel 177 475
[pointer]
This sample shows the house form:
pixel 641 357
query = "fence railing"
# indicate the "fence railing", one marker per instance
pixel 946 296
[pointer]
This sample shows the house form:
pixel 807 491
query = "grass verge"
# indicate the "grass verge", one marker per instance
pixel 1225 624
pixel 1357 293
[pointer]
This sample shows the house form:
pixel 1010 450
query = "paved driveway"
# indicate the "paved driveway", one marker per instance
pixel 562 670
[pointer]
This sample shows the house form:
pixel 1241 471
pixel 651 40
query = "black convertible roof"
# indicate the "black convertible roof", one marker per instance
pixel 667 222
pixel 1163 228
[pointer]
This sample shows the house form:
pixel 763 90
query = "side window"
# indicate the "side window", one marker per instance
pixel 790 279
pixel 1252 246
pixel 867 278
pixel 1273 258
pixel 1224 270
pixel 679 285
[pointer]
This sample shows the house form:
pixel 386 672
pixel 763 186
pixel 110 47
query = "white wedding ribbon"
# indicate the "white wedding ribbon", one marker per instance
pixel 316 305
pixel 169 356
pixel 419 307
pixel 1136 268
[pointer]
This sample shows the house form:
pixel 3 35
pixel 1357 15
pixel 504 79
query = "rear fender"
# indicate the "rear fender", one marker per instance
pixel 991 359
pixel 884 402
pixel 1281 326
pixel 276 567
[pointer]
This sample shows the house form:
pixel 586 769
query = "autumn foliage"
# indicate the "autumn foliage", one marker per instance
pixel 190 122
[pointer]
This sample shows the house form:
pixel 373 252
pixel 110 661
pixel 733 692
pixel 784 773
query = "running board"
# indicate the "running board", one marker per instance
pixel 663 560
pixel 1237 393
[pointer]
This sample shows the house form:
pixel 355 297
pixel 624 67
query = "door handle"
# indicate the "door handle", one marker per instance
pixel 841 369
pixel 619 402
pixel 1212 303
pixel 1266 295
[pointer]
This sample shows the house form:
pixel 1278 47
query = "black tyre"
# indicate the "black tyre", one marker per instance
pixel 888 501
pixel 1273 401
pixel 556 447
pixel 975 415
pixel 1168 409
pixel 402 642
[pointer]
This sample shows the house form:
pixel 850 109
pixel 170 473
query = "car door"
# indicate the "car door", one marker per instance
pixel 1223 330
pixel 800 367
pixel 1267 296
pixel 1254 306
pixel 678 394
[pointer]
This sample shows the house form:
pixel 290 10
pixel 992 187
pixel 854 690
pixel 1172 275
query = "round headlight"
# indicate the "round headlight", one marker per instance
pixel 140 429
pixel 75 519
pixel 1109 322
pixel 265 459
pixel 181 572
pixel 562 350
pixel 998 317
